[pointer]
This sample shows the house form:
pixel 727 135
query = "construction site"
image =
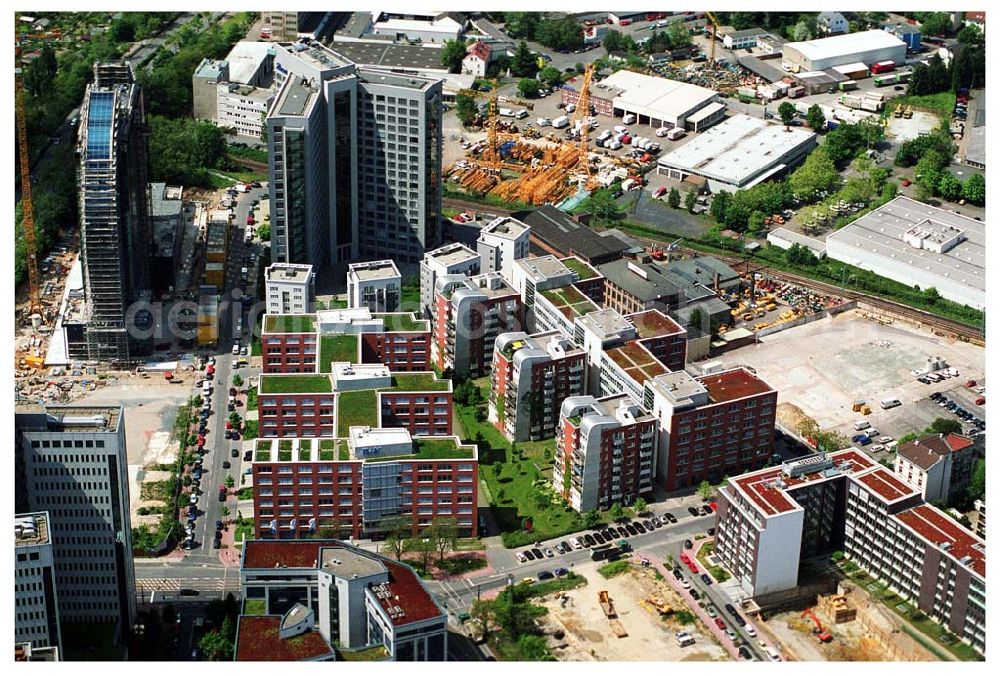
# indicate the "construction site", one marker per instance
pixel 625 618
pixel 847 626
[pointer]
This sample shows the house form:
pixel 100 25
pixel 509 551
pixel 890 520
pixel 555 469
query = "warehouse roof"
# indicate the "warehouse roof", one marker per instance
pixel 645 281
pixel 737 150
pixel 390 55
pixel 817 246
pixel 654 96
pixel 761 67
pixel 558 231
pixel 880 234
pixel 839 45
pixel 975 149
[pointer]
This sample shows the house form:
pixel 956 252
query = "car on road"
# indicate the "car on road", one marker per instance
pixel 560 572
pixel 189 592
pixel 222 494
pixel 527 580
pixel 750 631
pixel 548 553
pixel 730 609
pixel 710 532
pixel 226 464
pixel 217 543
pixel 744 652
pixel 706 579
pixel 688 544
pixel 235 453
pixel 545 575
pixel 739 619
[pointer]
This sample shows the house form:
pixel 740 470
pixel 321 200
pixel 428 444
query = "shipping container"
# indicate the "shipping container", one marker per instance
pixel 560 122
pixel 850 101
pixel 883 67
pixel 848 85
pixel 675 133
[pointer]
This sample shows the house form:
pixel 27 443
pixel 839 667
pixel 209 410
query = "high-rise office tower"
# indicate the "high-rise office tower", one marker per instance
pixel 36 611
pixel 354 160
pixel 114 216
pixel 72 463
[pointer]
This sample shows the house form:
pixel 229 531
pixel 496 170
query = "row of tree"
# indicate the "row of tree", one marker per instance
pixel 930 156
pixel 562 33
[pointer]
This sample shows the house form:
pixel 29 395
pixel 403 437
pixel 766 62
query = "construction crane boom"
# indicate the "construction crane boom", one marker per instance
pixel 715 26
pixel 27 205
pixel 581 114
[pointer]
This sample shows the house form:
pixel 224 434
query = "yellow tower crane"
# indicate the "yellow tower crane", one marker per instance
pixel 715 26
pixel 580 115
pixel 27 206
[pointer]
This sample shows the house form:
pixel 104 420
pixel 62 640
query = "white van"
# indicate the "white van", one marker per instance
pixel 206 388
pixel 236 348
pixel 862 425
pixel 543 122
pixel 891 403
pixel 521 114
pixel 619 129
pixel 629 118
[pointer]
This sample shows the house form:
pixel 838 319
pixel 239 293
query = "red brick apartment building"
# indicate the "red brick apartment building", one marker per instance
pixel 769 520
pixel 325 405
pixel 308 343
pixel 468 315
pixel 711 426
pixel 532 375
pixel 349 486
pixel 605 452
pixel 662 336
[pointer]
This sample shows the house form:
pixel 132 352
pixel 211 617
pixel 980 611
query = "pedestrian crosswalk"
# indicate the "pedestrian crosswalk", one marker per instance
pixel 163 584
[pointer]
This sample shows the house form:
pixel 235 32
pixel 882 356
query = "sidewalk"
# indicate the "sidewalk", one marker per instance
pixel 229 554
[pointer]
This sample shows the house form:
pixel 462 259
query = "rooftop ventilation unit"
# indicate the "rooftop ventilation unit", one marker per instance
pixel 817 462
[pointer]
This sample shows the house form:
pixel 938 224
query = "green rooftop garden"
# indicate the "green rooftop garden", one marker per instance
pixel 403 321
pixel 290 324
pixel 372 654
pixel 570 301
pixel 334 449
pixel 356 408
pixel 294 384
pixel 431 449
pixel 579 267
pixel 337 348
pixel 419 382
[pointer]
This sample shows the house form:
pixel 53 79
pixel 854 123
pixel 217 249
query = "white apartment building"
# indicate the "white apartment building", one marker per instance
pixel 36 604
pixel 939 466
pixel 73 464
pixel 450 259
pixel 375 285
pixel 243 108
pixel 290 288
pixel 501 242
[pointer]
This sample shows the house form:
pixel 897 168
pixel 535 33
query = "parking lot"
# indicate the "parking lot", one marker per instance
pixel 825 366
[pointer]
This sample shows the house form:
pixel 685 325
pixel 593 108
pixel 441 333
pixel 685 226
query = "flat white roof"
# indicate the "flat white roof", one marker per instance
pixel 737 149
pixel 851 67
pixel 653 96
pixel 792 237
pixel 838 45
pixel 879 234
pixel 421 26
pixel 245 58
pixel 706 112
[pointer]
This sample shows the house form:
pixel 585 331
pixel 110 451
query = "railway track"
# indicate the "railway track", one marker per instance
pixel 942 325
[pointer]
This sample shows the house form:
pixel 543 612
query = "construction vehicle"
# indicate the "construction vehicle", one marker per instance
pixel 606 605
pixel 27 205
pixel 908 113
pixel 821 634
pixel 899 110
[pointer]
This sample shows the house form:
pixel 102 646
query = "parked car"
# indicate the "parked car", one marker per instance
pixel 638 526
pixel 548 553
pixel 744 652
pixel 712 612
pixel 528 555
pixel 566 546
pixel 693 511
pixel 545 575
pixel 521 558
pixel 694 593
pixel 670 517
pixel 706 579
pixel 688 544
pixel 599 538
pixel 560 572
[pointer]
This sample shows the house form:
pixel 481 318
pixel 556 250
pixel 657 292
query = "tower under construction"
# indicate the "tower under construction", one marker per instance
pixel 114 217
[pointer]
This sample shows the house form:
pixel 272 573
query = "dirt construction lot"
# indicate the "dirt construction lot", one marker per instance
pixel 588 634
pixel 823 367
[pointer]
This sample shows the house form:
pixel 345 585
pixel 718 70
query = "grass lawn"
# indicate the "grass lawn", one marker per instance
pixel 291 384
pixel 579 267
pixel 254 607
pixel 571 581
pixel 941 104
pixel 337 348
pixel 431 449
pixel 356 408
pixel 365 655
pixel 419 382
pixel 519 484
pixel 403 321
pixel 614 568
pixel 290 324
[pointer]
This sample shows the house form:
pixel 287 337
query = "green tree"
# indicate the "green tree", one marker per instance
pixel 533 648
pixel 787 112
pixel 938 23
pixel 229 482
pixel 705 490
pixel 616 513
pixel 969 35
pixel 801 32
pixel 528 87
pixel 720 205
pixel 444 534
pixel 465 109
pixel 602 205
pixel 264 232
pixel 697 319
pixel 640 506
pixel 551 76
pixel 949 187
pixel 524 63
pixel 237 380
pixel 945 426
pixel 974 190
pixel 395 530
pixel 690 199
pixel 755 225
pixel 817 174
pixel 452 54
pixel 216 647
pixel 423 546
pixel 613 42
pixel 977 485
pixel 592 519
pixel 815 118
pixel 674 198
pixel 679 34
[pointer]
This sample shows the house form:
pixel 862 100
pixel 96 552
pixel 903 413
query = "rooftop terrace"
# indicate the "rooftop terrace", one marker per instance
pixel 425 448
pixel 654 324
pixel 403 322
pixel 732 385
pixel 580 268
pixel 258 641
pixel 289 323
pixel 637 362
pixel 295 384
pixel 570 302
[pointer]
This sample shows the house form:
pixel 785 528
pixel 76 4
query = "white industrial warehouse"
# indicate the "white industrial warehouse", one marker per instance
pixel 783 238
pixel 866 47
pixel 658 101
pixel 921 245
pixel 739 153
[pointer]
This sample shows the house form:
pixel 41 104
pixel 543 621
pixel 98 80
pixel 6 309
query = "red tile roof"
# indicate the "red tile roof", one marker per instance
pixel 409 594
pixel 885 484
pixel 257 641
pixel 933 525
pixel 759 487
pixel 480 49
pixel 732 385
pixel 289 554
pixel 977 17
pixel 927 451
